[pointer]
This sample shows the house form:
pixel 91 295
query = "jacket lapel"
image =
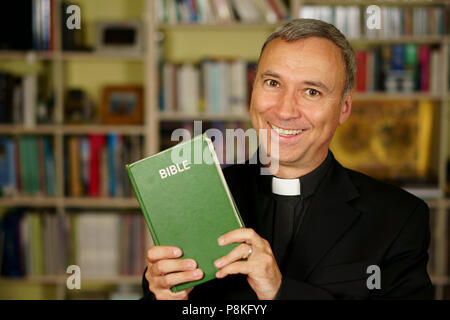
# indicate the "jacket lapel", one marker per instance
pixel 328 218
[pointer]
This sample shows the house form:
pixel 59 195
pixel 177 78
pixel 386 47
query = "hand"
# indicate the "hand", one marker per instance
pixel 261 268
pixel 164 271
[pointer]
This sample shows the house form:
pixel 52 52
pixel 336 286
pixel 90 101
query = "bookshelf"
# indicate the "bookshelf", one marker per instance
pixel 185 42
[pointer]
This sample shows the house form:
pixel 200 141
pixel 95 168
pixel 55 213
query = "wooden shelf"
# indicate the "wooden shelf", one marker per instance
pixel 61 279
pixel 20 129
pixel 177 116
pixel 209 26
pixel 378 2
pixel 73 129
pixel 432 39
pixel 22 55
pixel 69 202
pixel 80 55
pixel 30 201
pixel 98 128
pixel 94 202
pixel 396 96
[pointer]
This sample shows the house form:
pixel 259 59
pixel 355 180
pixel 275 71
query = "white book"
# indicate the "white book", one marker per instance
pixel 247 11
pixel 98 240
pixel 205 13
pixel 30 100
pixel 188 89
pixel 307 12
pixel 222 10
pixel 172 12
pixel 238 86
pixel 340 19
pixel 108 243
pixel 158 9
pixel 326 14
pixel 385 22
pixel 353 22
pixel 265 10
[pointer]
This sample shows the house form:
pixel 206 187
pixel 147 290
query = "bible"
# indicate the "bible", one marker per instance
pixel 186 202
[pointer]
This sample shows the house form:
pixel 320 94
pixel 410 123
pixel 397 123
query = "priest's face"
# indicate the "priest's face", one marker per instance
pixel 297 97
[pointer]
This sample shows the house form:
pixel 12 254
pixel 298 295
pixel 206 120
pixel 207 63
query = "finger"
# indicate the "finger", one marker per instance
pixel 241 267
pixel 167 294
pixel 246 235
pixel 157 253
pixel 172 279
pixel 165 266
pixel 181 295
pixel 240 252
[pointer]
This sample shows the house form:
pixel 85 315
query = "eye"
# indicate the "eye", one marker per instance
pixel 312 92
pixel 272 83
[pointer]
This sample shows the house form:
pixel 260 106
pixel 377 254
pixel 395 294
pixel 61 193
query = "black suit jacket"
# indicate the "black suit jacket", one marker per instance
pixel 353 222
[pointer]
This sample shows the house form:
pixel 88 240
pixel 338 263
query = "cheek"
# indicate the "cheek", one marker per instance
pixel 261 101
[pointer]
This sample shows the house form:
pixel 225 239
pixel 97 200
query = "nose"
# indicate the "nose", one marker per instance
pixel 288 107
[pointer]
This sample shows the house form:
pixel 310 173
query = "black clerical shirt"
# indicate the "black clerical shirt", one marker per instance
pixel 308 185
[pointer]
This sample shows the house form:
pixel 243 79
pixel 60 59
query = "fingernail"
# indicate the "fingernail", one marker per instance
pixel 218 263
pixel 176 252
pixel 220 240
pixel 197 273
pixel 192 264
pixel 218 274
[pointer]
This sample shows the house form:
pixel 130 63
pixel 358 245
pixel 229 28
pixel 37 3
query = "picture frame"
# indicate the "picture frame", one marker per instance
pixel 121 105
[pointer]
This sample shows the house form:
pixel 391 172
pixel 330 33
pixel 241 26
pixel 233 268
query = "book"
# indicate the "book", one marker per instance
pixel 186 204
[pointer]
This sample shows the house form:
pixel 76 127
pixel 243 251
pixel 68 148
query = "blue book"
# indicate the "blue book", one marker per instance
pixel 398 57
pixel 3 165
pixel 111 151
pixel 192 12
pixel 84 157
pixel 12 169
pixel 49 161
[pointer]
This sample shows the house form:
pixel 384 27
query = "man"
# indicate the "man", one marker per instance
pixel 314 228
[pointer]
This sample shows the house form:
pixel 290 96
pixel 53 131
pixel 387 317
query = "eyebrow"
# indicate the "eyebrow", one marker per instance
pixel 318 84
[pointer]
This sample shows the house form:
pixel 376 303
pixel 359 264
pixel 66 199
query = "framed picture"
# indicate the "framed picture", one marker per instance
pixel 121 105
pixel 389 139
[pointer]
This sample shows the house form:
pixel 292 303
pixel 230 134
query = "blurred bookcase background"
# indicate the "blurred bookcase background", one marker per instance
pixel 77 105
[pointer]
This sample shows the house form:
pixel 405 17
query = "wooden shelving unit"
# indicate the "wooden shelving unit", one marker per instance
pixel 150 129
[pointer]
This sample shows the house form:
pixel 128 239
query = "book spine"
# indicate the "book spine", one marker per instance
pixel 142 205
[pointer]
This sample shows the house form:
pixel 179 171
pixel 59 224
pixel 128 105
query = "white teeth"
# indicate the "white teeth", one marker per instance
pixel 284 132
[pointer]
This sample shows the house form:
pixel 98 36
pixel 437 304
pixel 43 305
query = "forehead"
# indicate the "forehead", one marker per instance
pixel 318 56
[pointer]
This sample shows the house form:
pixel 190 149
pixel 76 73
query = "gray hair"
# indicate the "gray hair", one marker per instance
pixel 304 28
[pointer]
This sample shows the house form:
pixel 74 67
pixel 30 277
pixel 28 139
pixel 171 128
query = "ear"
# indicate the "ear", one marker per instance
pixel 346 108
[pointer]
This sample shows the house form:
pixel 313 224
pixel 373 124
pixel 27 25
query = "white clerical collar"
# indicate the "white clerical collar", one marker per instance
pixel 286 187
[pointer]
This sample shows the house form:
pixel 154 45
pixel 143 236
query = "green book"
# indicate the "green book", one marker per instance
pixel 186 202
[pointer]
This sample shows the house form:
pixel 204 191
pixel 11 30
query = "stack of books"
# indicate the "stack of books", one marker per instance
pixel 221 11
pixel 213 86
pixel 95 165
pixel 27 166
pixel 395 21
pixel 400 68
pixel 36 243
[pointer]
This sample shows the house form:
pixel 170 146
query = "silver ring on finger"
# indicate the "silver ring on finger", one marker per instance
pixel 250 251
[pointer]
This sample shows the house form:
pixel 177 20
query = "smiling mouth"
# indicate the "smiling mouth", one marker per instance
pixel 286 132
